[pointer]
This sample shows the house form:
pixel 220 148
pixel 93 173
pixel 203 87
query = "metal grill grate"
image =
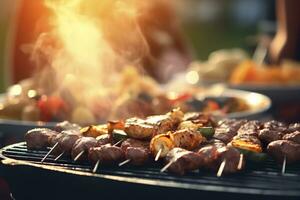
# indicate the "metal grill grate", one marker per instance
pixel 264 179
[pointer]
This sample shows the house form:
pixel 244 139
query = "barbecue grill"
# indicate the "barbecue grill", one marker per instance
pixel 29 179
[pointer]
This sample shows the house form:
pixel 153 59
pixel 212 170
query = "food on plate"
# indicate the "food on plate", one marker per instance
pixel 235 67
pixel 248 72
pixel 134 97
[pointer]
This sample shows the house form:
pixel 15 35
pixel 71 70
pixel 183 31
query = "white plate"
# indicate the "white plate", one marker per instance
pixel 258 103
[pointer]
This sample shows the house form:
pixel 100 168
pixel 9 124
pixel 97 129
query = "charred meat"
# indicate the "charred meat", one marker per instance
pixel 147 128
pixel 39 138
pixel 295 137
pixel 136 151
pixel 227 129
pixel 284 148
pixel 106 154
pixel 83 144
pixel 182 161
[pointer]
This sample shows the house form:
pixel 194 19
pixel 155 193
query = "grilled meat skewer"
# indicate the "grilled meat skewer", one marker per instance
pixel 39 138
pixel 227 129
pixel 284 149
pixel 294 136
pixel 163 143
pixel 153 125
pixel 272 131
pixel 81 147
pixel 106 154
pixel 136 151
pixel 179 161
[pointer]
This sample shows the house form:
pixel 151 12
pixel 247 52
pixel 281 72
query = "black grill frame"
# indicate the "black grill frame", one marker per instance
pixel 263 179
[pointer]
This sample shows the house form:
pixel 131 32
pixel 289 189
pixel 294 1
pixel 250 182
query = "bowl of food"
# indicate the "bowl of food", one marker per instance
pixel 236 70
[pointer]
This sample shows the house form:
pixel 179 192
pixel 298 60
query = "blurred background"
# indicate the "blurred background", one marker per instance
pixel 208 25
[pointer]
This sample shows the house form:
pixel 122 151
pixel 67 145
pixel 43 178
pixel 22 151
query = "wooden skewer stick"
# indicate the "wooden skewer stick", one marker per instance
pixel 96 166
pixel 120 141
pixel 52 148
pixel 283 165
pixel 158 155
pixel 60 155
pixel 166 166
pixel 124 162
pixel 78 156
pixel 240 165
pixel 221 168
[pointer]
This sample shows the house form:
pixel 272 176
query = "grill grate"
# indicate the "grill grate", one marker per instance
pixel 263 179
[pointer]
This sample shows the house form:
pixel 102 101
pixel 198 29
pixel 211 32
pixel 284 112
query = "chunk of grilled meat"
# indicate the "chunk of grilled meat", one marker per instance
pixel 187 139
pixel 139 128
pixel 272 131
pixel 136 151
pixel 65 140
pixel 83 144
pixel 250 128
pixel 294 136
pixel 227 129
pixel 103 139
pixel 55 139
pixel 215 152
pixel 153 125
pixel 267 135
pixel 231 122
pixel 94 130
pixel 293 127
pixel 106 154
pixel 232 157
pixel 66 125
pixel 275 126
pixel 39 138
pixel 209 153
pixel 199 118
pixel 130 142
pixel 284 148
pixel 214 142
pixel 189 125
pixel 183 161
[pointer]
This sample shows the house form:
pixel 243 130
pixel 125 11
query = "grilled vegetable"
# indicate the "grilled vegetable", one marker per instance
pixel 245 145
pixel 119 135
pixel 254 156
pixel 163 143
pixel 207 132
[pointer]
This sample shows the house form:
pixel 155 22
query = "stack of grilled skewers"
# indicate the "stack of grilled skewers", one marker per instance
pixel 184 142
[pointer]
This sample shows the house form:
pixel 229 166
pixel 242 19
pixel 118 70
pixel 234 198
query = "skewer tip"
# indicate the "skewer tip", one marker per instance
pixel 60 155
pixel 241 160
pixel 283 165
pixel 96 166
pixel 221 168
pixel 124 162
pixel 52 148
pixel 158 155
pixel 166 167
pixel 78 156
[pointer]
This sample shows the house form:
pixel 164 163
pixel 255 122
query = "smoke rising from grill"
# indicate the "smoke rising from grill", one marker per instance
pixel 81 59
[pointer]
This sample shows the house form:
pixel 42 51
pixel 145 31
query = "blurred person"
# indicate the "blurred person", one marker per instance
pixel 286 44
